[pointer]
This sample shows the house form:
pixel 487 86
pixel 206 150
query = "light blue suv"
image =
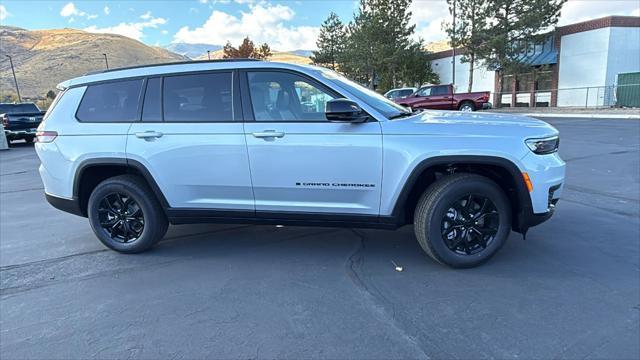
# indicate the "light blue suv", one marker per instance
pixel 135 149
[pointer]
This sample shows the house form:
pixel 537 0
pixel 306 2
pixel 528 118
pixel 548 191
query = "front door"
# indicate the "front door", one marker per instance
pixel 191 140
pixel 299 161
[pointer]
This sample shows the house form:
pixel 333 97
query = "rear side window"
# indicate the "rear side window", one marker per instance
pixel 152 107
pixel 111 102
pixel 198 98
pixel 440 90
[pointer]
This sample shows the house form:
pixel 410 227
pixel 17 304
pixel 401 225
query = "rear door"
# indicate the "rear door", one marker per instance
pixel 191 141
pixel 299 161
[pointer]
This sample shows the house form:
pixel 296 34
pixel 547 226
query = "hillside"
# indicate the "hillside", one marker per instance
pixel 278 56
pixel 44 58
pixel 191 50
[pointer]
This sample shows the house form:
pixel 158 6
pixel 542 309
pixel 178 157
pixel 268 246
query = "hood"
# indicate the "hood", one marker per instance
pixel 475 123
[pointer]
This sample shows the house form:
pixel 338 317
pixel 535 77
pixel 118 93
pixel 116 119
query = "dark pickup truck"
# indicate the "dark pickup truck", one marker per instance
pixel 20 120
pixel 441 97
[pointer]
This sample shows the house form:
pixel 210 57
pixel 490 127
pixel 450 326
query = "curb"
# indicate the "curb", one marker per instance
pixel 583 116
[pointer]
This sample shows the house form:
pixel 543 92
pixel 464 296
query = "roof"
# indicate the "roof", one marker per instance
pixel 179 67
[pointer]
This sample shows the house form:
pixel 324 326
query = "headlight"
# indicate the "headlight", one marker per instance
pixel 544 146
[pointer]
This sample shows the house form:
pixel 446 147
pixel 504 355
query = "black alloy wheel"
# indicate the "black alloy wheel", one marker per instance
pixel 121 217
pixel 470 224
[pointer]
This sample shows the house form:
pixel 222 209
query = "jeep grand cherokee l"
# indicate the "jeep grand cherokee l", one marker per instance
pixel 135 149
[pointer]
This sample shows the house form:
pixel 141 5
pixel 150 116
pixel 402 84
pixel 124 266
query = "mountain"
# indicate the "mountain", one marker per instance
pixel 305 53
pixel 278 56
pixel 44 58
pixel 192 50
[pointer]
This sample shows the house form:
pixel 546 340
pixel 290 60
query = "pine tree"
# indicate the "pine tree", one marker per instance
pixel 470 32
pixel 515 26
pixel 330 42
pixel 379 46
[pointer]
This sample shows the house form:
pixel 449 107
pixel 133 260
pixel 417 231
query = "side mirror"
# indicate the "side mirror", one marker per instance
pixel 344 110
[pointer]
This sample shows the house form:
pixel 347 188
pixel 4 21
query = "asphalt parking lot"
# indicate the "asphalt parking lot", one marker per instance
pixel 571 290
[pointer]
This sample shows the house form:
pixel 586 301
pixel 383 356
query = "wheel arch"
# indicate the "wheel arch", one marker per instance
pixel 93 171
pixel 503 171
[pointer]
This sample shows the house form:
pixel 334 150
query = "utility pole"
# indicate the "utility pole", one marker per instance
pixel 15 80
pixel 453 63
pixel 209 54
pixel 105 60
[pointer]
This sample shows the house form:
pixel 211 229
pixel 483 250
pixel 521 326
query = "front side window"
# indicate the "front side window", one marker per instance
pixel 424 91
pixel 111 102
pixel 198 98
pixel 280 96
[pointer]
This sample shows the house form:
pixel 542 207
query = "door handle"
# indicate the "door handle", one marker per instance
pixel 268 134
pixel 149 135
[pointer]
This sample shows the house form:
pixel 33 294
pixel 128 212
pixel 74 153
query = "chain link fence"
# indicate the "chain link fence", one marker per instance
pixel 627 95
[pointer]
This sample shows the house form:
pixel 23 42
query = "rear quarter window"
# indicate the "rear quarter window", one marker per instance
pixel 111 102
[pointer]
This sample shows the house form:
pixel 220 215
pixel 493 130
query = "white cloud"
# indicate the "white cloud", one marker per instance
pixel 106 10
pixel 428 17
pixel 134 30
pixel 581 10
pixel 4 13
pixel 70 10
pixel 263 23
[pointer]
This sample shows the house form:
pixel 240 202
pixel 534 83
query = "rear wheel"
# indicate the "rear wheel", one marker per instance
pixel 125 215
pixel 462 220
pixel 467 106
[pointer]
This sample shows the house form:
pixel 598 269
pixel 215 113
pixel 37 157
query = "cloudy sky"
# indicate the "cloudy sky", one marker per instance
pixel 285 25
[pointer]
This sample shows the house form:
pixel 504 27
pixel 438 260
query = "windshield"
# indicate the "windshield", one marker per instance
pixel 18 108
pixel 385 106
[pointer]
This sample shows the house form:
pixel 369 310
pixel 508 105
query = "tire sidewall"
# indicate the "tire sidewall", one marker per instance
pixel 145 240
pixel 454 193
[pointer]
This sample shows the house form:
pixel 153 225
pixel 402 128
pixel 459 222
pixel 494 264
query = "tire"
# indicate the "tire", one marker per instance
pixel 467 106
pixel 442 209
pixel 105 211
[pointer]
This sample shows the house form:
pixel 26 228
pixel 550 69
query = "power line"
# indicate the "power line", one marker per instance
pixel 14 78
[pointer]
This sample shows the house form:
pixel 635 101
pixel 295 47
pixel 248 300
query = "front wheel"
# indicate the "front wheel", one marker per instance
pixel 462 220
pixel 125 214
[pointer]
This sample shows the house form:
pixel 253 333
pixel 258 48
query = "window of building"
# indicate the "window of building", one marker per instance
pixel 111 102
pixel 523 82
pixel 280 96
pixel 543 80
pixel 507 84
pixel 198 98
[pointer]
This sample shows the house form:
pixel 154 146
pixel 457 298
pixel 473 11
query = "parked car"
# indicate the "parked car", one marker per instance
pixel 442 97
pixel 138 148
pixel 400 93
pixel 20 120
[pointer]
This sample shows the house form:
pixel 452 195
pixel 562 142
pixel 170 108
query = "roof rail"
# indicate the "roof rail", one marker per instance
pixel 170 63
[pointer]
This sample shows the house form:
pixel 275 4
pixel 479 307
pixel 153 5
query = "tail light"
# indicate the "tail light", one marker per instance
pixel 46 136
pixel 485 97
pixel 5 121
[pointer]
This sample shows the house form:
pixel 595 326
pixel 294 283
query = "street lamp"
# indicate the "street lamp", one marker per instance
pixel 15 80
